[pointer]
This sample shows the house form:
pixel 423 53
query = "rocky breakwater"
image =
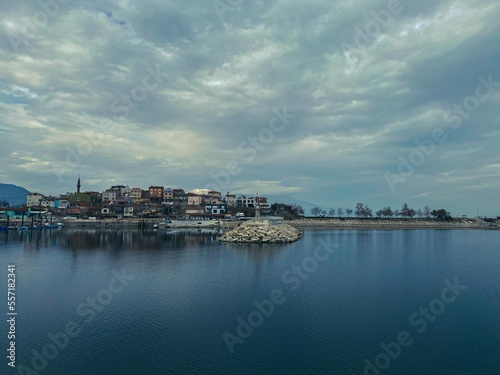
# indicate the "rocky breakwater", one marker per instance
pixel 248 233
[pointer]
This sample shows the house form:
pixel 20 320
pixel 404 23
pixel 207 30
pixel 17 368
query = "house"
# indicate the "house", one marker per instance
pixel 34 199
pixel 61 204
pixel 245 202
pixel 214 197
pixel 49 202
pixel 180 196
pixel 230 200
pixel 168 196
pixel 194 212
pixel 128 211
pixel 123 189
pixel 263 204
pixel 156 193
pixel 136 195
pixel 216 209
pixel 194 199
pixel 111 195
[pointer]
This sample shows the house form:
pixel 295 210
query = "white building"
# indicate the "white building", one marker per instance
pixel 246 202
pixel 110 195
pixel 230 200
pixel 33 199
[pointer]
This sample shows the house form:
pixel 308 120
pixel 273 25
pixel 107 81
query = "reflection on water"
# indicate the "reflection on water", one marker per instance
pixel 109 239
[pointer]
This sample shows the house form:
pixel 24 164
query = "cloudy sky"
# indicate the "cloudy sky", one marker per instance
pixel 322 100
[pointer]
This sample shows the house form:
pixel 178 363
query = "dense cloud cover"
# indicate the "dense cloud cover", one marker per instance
pixel 322 100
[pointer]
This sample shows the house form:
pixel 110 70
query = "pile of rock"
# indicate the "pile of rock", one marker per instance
pixel 248 233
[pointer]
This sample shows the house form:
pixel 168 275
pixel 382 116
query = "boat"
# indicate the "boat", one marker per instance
pixel 3 228
pixel 35 227
pixel 60 225
pixel 22 227
pixel 51 226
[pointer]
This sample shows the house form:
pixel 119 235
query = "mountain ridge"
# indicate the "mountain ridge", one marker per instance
pixel 15 195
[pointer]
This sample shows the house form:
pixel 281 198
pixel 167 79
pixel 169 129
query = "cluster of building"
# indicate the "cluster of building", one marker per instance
pixel 123 201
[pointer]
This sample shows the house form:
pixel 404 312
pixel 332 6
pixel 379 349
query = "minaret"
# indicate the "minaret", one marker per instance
pixel 78 185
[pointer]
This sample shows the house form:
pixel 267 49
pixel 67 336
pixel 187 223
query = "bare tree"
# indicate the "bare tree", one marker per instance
pixel 316 211
pixel 427 211
pixel 331 213
pixel 360 207
pixel 340 212
pixel 348 212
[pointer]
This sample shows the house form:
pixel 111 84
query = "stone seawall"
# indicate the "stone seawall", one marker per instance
pixel 394 224
pixel 248 233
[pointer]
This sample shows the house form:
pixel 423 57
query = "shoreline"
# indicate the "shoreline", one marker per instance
pixel 393 224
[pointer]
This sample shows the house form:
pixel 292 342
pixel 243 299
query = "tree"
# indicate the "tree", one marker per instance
pixel 427 211
pixel 405 210
pixel 331 213
pixel 420 213
pixel 441 214
pixel 396 213
pixel 348 212
pixel 4 204
pixel 363 211
pixel 360 208
pixel 316 211
pixel 297 210
pixel 323 213
pixel 340 212
pixel 388 212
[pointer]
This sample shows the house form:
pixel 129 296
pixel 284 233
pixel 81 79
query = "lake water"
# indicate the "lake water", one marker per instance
pixel 119 303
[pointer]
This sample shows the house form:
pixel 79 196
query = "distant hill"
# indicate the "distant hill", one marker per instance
pixel 13 194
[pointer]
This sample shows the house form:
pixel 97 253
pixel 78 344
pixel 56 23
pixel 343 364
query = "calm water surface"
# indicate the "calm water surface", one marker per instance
pixel 188 290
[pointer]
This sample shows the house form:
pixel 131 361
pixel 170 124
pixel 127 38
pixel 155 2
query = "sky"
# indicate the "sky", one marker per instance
pixel 333 102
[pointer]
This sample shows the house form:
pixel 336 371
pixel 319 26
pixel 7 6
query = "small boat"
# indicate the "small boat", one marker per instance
pixel 51 226
pixel 22 227
pixel 60 225
pixel 35 227
pixel 3 228
pixel 11 227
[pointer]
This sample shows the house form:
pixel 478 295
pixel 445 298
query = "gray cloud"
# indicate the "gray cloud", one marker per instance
pixel 223 73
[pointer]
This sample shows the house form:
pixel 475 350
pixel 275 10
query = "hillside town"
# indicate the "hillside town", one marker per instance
pixel 121 201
